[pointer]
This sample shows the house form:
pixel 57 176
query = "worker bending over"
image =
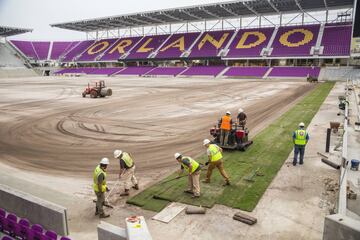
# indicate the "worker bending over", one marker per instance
pixel 300 139
pixel 214 154
pixel 100 187
pixel 225 128
pixel 127 171
pixel 193 168
pixel 241 117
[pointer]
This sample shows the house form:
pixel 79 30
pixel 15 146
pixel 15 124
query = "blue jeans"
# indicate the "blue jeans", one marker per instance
pixel 299 149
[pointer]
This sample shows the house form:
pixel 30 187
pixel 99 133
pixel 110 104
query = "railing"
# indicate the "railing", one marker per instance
pixel 343 172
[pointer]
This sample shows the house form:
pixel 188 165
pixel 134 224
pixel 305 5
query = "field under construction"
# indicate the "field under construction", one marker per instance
pixel 52 137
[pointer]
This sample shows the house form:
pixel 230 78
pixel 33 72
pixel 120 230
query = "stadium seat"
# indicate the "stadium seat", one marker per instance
pixel 23 229
pixel 6 238
pixel 11 225
pixel 36 232
pixel 2 212
pixel 65 238
pixel 51 235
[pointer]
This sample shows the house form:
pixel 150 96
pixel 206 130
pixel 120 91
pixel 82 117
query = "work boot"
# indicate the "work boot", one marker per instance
pixel 125 193
pixel 195 196
pixel 206 181
pixel 104 215
pixel 96 211
pixel 227 183
pixel 189 191
pixel 136 187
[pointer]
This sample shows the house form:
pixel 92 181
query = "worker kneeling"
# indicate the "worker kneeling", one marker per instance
pixel 100 187
pixel 193 168
pixel 127 171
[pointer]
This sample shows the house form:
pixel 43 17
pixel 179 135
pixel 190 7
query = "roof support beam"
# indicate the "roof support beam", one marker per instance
pixel 154 19
pixel 251 9
pixel 190 14
pixel 273 6
pixel 210 13
pixel 138 20
pixel 172 17
pixel 229 11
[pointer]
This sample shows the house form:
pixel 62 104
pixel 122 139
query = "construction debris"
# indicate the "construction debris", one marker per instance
pixel 245 218
pixel 195 210
pixel 169 213
pixel 331 164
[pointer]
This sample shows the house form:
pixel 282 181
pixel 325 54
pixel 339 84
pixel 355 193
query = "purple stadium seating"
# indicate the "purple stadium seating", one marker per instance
pixel 36 232
pixel 59 48
pixel 10 227
pixel 51 235
pixel 172 47
pixel 105 71
pixel 336 40
pixel 295 41
pixel 249 42
pixel 26 48
pixel 96 49
pixel 205 46
pixel 166 71
pixel 41 49
pixel 6 238
pixel 294 71
pixel 2 213
pixel 65 238
pixel 203 71
pixel 23 229
pixel 146 46
pixel 78 49
pixel 246 72
pixel 135 71
pixel 122 46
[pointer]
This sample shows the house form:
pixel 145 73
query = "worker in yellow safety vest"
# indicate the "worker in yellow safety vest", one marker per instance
pixel 127 171
pixel 214 153
pixel 99 186
pixel 225 128
pixel 300 139
pixel 193 169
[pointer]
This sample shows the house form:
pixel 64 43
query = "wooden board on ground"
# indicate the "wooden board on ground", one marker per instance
pixel 244 218
pixel 170 212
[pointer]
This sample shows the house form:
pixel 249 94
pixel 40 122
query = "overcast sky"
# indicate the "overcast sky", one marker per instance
pixel 38 14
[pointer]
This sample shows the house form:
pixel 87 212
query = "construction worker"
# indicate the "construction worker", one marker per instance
pixel 193 168
pixel 100 187
pixel 214 154
pixel 225 128
pixel 300 139
pixel 241 117
pixel 127 171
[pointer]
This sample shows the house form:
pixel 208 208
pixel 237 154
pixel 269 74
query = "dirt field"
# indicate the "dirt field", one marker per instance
pixel 52 137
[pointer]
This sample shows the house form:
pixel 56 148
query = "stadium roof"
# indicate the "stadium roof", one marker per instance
pixel 10 31
pixel 216 11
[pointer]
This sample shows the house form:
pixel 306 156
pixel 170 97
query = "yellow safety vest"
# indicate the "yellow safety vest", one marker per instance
pixel 194 165
pixel 215 152
pixel 300 137
pixel 127 159
pixel 97 172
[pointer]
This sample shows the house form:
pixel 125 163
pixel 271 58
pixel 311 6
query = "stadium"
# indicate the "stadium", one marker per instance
pixel 156 83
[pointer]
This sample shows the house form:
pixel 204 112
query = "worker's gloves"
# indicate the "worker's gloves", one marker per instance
pixel 107 189
pixel 207 163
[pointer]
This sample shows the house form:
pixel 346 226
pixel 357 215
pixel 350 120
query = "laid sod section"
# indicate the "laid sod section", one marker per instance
pixel 271 148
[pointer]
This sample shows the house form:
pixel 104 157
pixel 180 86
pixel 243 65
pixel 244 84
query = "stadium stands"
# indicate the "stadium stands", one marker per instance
pixel 60 48
pixel 203 71
pixel 139 71
pixel 41 49
pixel 295 41
pixel 257 72
pixel 146 46
pixel 210 44
pixel 249 42
pixel 336 40
pixel 166 71
pixel 96 49
pixel 294 72
pixel 122 46
pixel 26 48
pixel 77 50
pixel 20 228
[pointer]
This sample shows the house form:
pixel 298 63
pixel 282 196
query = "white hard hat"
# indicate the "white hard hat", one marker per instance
pixel 105 161
pixel 228 112
pixel 177 155
pixel 301 124
pixel 117 153
pixel 241 110
pixel 206 141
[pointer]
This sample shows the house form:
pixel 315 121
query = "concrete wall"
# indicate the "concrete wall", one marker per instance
pixel 339 227
pixel 108 231
pixel 39 211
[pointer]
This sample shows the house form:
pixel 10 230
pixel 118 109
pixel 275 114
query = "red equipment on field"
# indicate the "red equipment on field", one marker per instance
pixel 99 90
pixel 238 138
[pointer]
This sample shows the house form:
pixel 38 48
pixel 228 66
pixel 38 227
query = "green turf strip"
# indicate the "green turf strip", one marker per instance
pixel 271 148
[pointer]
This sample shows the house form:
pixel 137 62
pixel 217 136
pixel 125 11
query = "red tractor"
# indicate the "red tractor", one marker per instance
pixel 99 90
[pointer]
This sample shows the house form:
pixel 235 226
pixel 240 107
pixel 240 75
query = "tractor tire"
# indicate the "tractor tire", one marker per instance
pixel 83 94
pixel 93 94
